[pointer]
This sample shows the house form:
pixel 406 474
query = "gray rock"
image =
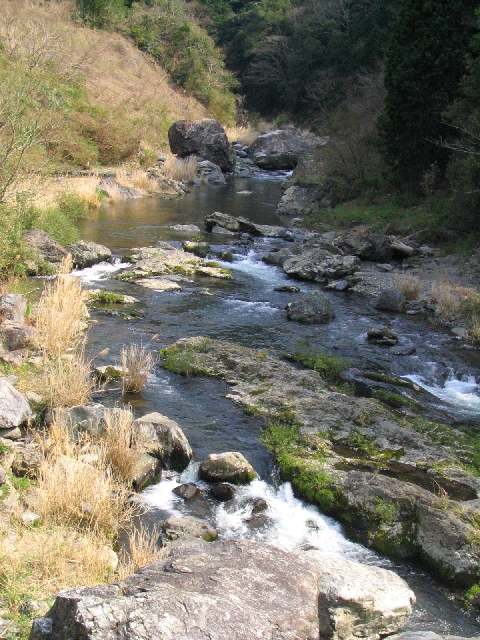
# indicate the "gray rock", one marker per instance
pixel 339 285
pixel 280 149
pixel 183 228
pixel 364 244
pixel 259 506
pixel 188 491
pixel 210 172
pixel 86 254
pixel 13 307
pixel 382 336
pixel 16 335
pixel 176 527
pixel 311 308
pixel 287 288
pixel 222 491
pixel 29 518
pixel 3 476
pixel 224 220
pixel 263 230
pixel 360 601
pixel 401 250
pixel 11 434
pixel 165 439
pixel 204 138
pixel 231 466
pixel 277 257
pixel 300 201
pixel 81 419
pixel 147 471
pixel 238 590
pixel 391 300
pixel 14 408
pixel 320 265
pixel 45 247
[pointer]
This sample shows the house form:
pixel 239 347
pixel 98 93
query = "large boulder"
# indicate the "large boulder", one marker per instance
pixel 231 466
pixel 320 265
pixel 391 300
pixel 164 439
pixel 85 254
pixel 236 590
pixel 280 149
pixel 14 408
pixel 13 307
pixel 311 308
pixel 204 138
pixel 300 200
pixel 44 246
pixel 365 244
pixel 360 601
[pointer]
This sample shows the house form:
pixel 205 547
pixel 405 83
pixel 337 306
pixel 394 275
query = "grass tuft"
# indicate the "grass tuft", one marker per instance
pixel 137 363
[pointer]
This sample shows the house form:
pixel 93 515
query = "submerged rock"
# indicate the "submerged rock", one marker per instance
pixel 227 467
pixel 203 138
pixel 311 308
pixel 236 590
pixel 85 254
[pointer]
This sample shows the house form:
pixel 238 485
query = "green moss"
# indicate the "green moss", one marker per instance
pixel 328 366
pixel 185 361
pixel 396 400
pixel 473 594
pixel 365 447
pixel 106 297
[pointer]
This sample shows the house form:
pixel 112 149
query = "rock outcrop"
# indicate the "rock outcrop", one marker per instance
pixel 14 409
pixel 44 248
pixel 378 472
pixel 320 265
pixel 235 590
pixel 204 138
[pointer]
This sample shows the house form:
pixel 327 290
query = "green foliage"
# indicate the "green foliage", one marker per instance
pixel 61 220
pixel 103 14
pixel 107 298
pixel 165 30
pixel 185 361
pixel 328 366
pixel 14 221
pixel 424 64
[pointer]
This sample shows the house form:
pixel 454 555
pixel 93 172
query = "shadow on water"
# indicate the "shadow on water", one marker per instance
pixel 248 310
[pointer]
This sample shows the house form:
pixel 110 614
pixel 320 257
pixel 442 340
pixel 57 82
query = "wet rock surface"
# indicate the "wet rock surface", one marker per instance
pixel 312 308
pixel 86 254
pixel 231 467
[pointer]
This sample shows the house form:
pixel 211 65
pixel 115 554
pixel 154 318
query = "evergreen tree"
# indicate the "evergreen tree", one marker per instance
pixel 424 64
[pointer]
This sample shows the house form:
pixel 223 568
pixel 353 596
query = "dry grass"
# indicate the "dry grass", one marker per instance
pixel 142 550
pixel 410 285
pixel 245 135
pixel 45 191
pixel 137 362
pixel 182 169
pixel 136 179
pixel 120 447
pixel 66 380
pixel 450 298
pixel 61 314
pixel 77 489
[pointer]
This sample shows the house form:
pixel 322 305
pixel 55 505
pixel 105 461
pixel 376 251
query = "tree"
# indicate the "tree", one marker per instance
pixel 424 64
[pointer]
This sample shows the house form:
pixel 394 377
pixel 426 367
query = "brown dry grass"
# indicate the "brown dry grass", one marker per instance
pixel 183 169
pixel 136 179
pixel 245 135
pixel 120 447
pixel 450 298
pixel 142 550
pixel 61 313
pixel 410 285
pixel 118 76
pixel 137 362
pixel 66 380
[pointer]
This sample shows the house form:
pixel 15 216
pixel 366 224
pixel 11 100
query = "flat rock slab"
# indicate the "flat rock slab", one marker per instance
pixel 159 284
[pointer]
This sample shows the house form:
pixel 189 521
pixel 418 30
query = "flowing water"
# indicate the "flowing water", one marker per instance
pixel 246 309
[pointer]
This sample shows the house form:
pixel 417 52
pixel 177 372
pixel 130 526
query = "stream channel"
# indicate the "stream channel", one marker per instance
pixel 246 309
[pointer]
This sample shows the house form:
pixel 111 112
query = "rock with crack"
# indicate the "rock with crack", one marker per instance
pixel 240 590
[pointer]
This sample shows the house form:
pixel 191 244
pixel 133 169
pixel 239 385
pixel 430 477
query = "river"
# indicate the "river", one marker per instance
pixel 246 309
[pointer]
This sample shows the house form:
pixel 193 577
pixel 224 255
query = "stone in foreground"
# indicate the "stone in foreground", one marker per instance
pixel 231 466
pixel 238 590
pixel 14 408
pixel 164 439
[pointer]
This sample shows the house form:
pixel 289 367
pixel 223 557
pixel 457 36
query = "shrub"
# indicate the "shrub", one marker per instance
pixel 104 14
pixel 409 285
pixel 14 221
pixel 137 364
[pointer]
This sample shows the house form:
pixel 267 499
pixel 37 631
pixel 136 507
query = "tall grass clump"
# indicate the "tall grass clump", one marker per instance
pixel 120 445
pixel 183 169
pixel 67 380
pixel 409 285
pixel 61 314
pixel 136 363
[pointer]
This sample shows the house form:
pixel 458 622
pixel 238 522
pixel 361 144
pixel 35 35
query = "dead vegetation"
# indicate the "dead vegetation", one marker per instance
pixel 182 169
pixel 136 362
